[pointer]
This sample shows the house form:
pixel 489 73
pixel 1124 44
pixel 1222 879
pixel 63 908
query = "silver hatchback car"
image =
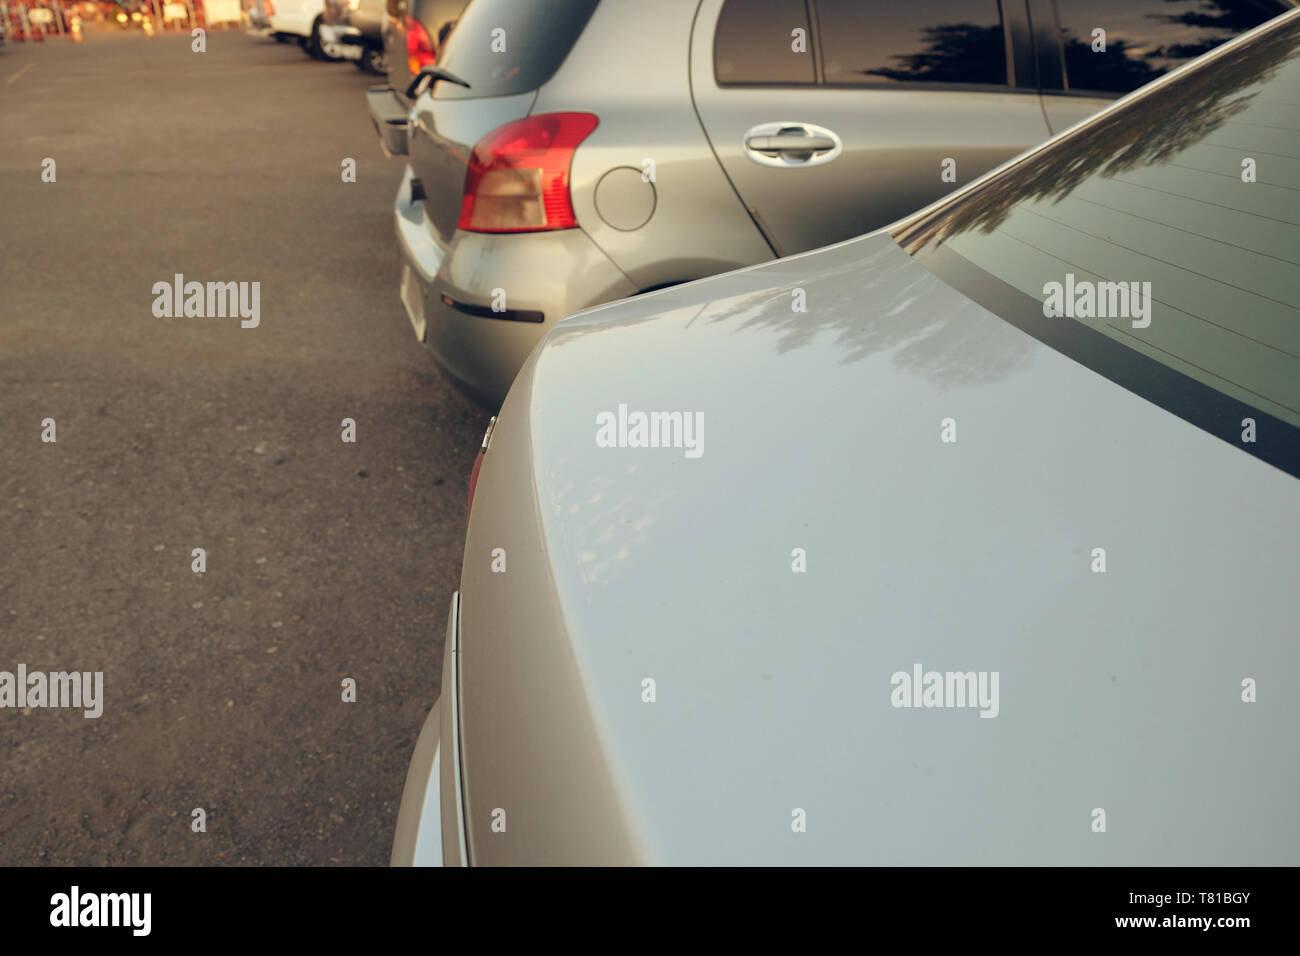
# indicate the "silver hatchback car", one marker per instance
pixel 572 152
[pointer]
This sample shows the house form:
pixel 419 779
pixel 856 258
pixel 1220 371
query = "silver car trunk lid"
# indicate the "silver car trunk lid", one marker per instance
pixel 820 540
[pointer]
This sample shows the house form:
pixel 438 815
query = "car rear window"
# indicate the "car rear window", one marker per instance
pixel 763 42
pixel 504 47
pixel 1194 189
pixel 872 42
pixel 1141 40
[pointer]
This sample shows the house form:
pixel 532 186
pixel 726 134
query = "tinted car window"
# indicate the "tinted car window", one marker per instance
pixel 503 47
pixel 1146 38
pixel 1193 192
pixel 765 42
pixel 912 41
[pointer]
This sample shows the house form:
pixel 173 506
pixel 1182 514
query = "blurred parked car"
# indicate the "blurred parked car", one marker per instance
pixel 357 28
pixel 548 173
pixel 414 32
pixel 336 36
pixel 651 678
pixel 300 21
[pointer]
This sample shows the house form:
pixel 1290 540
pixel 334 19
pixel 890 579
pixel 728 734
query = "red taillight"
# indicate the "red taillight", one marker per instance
pixel 270 8
pixel 419 48
pixel 518 175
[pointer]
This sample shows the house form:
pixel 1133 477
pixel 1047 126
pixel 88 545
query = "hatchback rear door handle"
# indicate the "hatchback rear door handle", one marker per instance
pixel 791 144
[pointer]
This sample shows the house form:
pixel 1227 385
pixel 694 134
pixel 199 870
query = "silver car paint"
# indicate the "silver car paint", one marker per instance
pixel 563 753
pixel 1117 691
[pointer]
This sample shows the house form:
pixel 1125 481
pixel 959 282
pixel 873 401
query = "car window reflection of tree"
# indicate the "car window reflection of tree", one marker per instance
pixel 1118 70
pixel 1133 62
pixel 1218 21
pixel 861 300
pixel 884 304
pixel 954 53
pixel 1150 130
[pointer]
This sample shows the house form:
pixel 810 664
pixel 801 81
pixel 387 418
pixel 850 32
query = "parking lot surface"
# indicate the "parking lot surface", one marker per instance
pixel 325 560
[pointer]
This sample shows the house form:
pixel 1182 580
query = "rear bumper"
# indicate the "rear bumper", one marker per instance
pixel 478 340
pixel 389 113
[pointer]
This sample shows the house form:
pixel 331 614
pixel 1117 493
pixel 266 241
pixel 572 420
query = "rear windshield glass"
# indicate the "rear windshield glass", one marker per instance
pixel 1170 227
pixel 503 47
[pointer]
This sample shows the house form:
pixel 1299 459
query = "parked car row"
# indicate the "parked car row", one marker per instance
pixel 839 231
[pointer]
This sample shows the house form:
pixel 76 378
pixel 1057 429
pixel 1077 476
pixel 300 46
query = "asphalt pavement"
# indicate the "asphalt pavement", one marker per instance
pixel 325 560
